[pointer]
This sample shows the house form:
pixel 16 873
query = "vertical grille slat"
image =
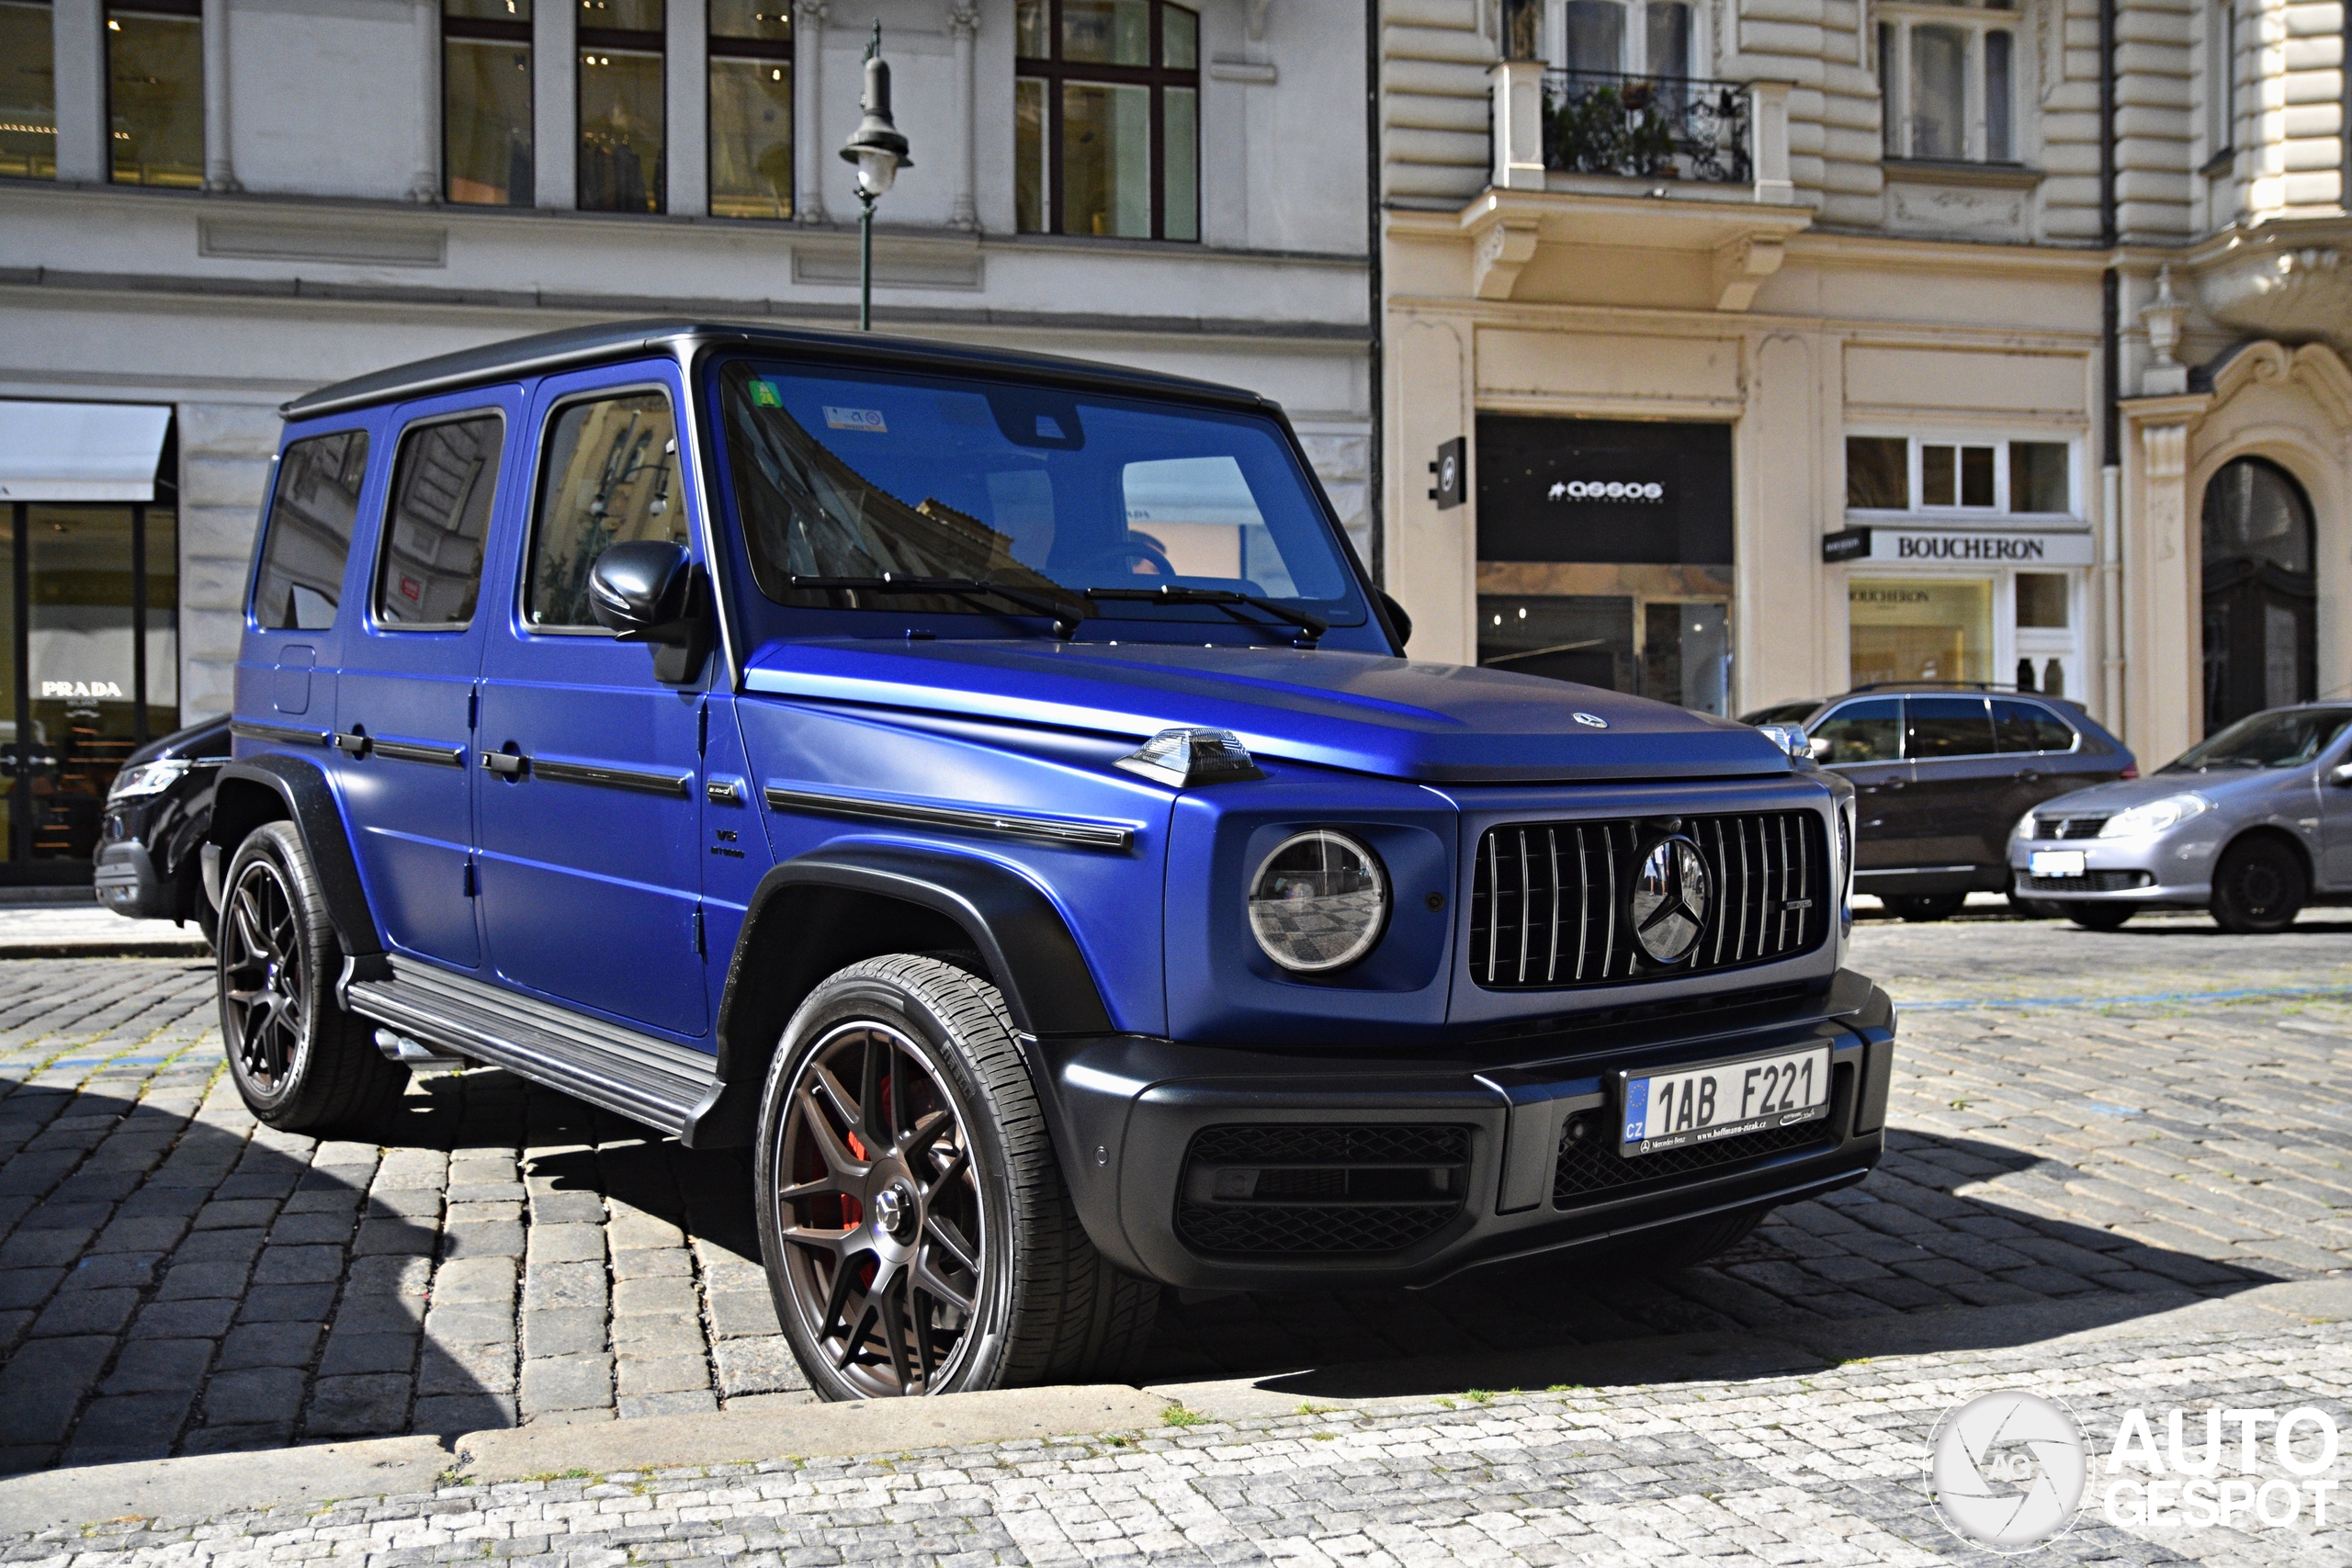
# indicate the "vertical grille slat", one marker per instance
pixel 1563 928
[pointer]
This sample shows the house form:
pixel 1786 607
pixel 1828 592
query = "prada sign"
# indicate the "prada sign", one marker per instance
pixel 1957 547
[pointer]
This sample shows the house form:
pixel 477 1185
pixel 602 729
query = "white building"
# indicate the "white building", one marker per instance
pixel 210 206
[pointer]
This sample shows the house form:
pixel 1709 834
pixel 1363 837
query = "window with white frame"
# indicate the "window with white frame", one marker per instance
pixel 1926 473
pixel 1634 38
pixel 1947 79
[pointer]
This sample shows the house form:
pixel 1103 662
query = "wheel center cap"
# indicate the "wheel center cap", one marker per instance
pixel 894 1211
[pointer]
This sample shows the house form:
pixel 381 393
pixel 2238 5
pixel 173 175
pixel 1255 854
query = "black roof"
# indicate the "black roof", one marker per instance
pixel 543 352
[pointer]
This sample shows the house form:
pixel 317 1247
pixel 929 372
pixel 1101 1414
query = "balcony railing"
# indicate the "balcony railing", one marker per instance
pixel 1675 128
pixel 1550 125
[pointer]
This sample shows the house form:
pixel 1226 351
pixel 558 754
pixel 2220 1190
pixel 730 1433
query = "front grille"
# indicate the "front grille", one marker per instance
pixel 1358 1189
pixel 1590 1167
pixel 2089 882
pixel 1549 900
pixel 2068 827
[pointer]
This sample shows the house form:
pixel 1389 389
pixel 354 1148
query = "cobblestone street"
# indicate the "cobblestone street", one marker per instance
pixel 2071 1129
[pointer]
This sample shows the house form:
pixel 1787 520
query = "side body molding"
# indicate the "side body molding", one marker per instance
pixel 254 790
pixel 812 916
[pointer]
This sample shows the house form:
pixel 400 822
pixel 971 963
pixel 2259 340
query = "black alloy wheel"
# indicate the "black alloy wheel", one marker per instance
pixel 300 1063
pixel 1919 907
pixel 2099 917
pixel 918 1234
pixel 2258 888
pixel 879 1210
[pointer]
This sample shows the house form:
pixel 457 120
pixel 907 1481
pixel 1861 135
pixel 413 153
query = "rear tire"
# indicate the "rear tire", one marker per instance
pixel 1920 907
pixel 918 1234
pixel 2258 888
pixel 2098 917
pixel 301 1063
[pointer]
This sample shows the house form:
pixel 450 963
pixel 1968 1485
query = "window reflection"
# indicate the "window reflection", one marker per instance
pixel 155 93
pixel 487 147
pixel 623 113
pixel 750 109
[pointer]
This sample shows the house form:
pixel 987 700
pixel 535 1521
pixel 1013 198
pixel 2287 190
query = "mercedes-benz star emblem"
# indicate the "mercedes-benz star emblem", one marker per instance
pixel 1592 721
pixel 1670 896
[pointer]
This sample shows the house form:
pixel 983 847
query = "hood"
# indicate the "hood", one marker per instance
pixel 1369 713
pixel 206 738
pixel 2220 784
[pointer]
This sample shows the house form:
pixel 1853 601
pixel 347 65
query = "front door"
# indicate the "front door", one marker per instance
pixel 405 698
pixel 1958 784
pixel 588 789
pixel 1863 740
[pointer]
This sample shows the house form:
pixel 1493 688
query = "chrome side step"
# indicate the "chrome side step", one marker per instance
pixel 638 1076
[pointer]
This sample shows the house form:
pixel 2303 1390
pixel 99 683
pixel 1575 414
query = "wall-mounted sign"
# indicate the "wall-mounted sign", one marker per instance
pixel 1957 547
pixel 70 689
pixel 1628 492
pixel 1452 469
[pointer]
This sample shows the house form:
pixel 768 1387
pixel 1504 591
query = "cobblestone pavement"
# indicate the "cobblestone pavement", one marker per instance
pixel 1826 1468
pixel 173 1279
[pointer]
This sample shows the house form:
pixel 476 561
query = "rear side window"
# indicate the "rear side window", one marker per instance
pixel 1947 727
pixel 443 482
pixel 309 537
pixel 1867 731
pixel 610 478
pixel 2029 727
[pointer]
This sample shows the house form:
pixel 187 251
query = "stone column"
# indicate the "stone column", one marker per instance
pixel 2164 695
pixel 424 182
pixel 963 27
pixel 219 163
pixel 80 34
pixel 555 102
pixel 809 111
pixel 686 67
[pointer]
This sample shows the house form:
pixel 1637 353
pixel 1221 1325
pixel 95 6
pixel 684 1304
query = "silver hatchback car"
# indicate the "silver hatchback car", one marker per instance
pixel 2253 824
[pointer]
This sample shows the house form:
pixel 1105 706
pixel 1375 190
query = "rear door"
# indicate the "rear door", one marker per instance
pixel 404 712
pixel 1959 783
pixel 587 797
pixel 2038 745
pixel 1864 741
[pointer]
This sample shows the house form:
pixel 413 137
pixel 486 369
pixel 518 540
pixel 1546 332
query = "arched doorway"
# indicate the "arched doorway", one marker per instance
pixel 2261 620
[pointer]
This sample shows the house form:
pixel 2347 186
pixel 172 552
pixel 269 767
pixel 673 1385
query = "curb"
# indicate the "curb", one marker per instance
pixel 206 1485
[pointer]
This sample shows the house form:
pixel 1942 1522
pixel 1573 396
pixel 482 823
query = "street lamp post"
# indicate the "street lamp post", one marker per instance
pixel 879 152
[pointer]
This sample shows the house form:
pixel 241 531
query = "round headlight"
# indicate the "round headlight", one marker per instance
pixel 1318 901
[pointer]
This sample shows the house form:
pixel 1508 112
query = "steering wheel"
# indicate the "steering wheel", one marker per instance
pixel 1116 559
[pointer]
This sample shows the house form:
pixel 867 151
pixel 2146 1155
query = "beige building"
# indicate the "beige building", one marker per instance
pixel 1798 344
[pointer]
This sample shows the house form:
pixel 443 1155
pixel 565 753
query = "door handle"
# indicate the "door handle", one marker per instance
pixel 1894 783
pixel 506 764
pixel 2029 777
pixel 353 741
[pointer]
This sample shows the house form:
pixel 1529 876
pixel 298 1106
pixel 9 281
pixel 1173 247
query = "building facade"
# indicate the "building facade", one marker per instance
pixel 210 206
pixel 1795 344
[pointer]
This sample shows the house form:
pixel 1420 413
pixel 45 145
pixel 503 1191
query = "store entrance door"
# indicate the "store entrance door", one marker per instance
pixel 89 649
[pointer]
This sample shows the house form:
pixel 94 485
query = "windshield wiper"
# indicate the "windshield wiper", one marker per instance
pixel 1311 625
pixel 1066 615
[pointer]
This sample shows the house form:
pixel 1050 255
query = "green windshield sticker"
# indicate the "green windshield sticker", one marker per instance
pixel 763 395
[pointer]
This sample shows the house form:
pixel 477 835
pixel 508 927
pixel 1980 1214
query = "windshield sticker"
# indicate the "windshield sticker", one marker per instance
pixel 868 420
pixel 763 395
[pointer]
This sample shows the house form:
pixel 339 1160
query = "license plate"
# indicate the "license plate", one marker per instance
pixel 1698 1105
pixel 2054 862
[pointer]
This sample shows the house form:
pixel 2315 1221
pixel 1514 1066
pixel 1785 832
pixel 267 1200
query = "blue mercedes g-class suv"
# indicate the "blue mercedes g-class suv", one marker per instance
pixel 989 788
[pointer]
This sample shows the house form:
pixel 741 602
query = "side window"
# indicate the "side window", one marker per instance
pixel 2029 727
pixel 609 476
pixel 443 482
pixel 1947 727
pixel 1867 731
pixel 309 534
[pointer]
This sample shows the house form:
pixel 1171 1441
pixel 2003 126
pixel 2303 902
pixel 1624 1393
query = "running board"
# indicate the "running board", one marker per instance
pixel 638 1076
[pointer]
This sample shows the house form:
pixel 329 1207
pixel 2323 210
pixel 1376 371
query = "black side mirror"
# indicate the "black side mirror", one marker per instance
pixel 1402 622
pixel 650 591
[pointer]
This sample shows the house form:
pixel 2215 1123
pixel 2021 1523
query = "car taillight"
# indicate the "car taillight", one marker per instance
pixel 2131 771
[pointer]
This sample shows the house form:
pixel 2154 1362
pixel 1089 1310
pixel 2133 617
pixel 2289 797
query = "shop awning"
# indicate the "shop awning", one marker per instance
pixel 80 451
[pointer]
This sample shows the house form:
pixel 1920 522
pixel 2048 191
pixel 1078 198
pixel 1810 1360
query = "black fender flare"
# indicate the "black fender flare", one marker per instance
pixel 308 802
pixel 1022 939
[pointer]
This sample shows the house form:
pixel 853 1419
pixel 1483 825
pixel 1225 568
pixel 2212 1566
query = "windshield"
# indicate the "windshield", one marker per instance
pixel 2286 738
pixel 850 474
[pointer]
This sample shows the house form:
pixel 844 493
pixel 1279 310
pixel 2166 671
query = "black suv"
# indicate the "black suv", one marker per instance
pixel 148 864
pixel 1942 775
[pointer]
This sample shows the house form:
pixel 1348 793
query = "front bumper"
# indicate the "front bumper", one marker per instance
pixel 125 881
pixel 2164 869
pixel 1148 1128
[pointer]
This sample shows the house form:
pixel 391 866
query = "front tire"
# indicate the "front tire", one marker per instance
pixel 2099 917
pixel 2258 888
pixel 300 1063
pixel 918 1234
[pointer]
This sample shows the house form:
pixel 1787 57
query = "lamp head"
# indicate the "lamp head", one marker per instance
pixel 876 147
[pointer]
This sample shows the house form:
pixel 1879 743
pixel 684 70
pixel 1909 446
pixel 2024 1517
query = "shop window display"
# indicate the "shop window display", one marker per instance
pixel 1920 629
